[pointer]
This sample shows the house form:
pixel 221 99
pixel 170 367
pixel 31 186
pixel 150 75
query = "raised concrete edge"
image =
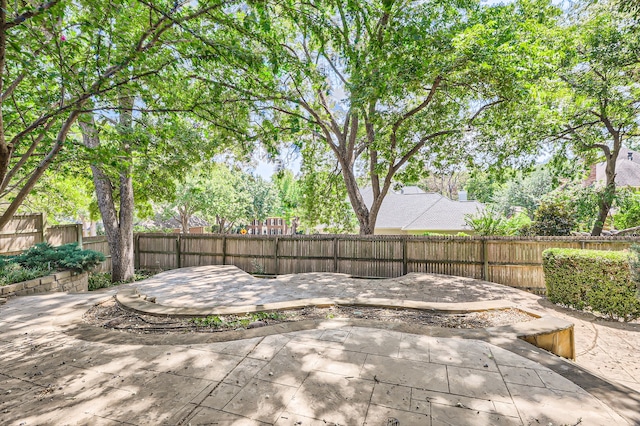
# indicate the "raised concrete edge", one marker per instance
pixel 547 332
pixel 130 299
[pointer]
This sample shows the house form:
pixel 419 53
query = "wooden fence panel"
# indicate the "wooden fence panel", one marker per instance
pixel 371 257
pixel 461 257
pixel 22 232
pixel 58 235
pixel 255 255
pixel 306 254
pixel 101 245
pixel 202 249
pixel 158 251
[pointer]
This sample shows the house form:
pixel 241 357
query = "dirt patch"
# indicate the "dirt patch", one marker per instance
pixel 110 315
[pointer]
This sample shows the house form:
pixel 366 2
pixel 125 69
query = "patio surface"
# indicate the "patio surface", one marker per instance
pixel 57 370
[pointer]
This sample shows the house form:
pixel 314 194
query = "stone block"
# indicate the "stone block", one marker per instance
pixel 31 283
pixel 61 275
pixel 48 279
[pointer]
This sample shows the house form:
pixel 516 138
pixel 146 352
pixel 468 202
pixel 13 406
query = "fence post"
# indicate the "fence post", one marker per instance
pixel 335 254
pixel 485 260
pixel 136 251
pixel 179 263
pixel 404 256
pixel 276 257
pixel 224 249
pixel 79 234
pixel 42 235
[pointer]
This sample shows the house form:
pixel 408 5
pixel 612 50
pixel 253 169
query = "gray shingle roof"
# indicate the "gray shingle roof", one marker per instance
pixel 445 215
pixel 414 211
pixel 627 171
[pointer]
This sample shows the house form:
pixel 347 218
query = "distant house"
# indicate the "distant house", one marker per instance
pixel 627 170
pixel 412 211
pixel 269 226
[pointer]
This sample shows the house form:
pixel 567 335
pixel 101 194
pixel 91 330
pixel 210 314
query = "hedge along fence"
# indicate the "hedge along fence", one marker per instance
pixel 600 281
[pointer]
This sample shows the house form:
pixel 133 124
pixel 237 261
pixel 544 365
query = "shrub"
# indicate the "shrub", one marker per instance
pixel 553 217
pixel 14 273
pixel 594 280
pixel 487 222
pixel 68 256
pixel 98 280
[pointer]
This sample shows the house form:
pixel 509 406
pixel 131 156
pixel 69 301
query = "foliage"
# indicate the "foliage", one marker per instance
pixel 524 191
pixel 98 280
pixel 68 256
pixel 485 223
pixel 599 281
pixel 591 106
pixel 289 193
pixel 554 216
pixel 628 215
pixel 233 321
pixel 323 194
pixel 11 273
pixel 64 194
pixel 482 186
pixel 390 87
pixel 489 222
pixel 634 262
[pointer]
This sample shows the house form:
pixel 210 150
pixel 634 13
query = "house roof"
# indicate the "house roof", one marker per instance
pixel 445 215
pixel 627 170
pixel 414 209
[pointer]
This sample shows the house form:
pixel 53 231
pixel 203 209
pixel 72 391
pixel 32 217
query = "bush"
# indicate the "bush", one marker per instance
pixel 14 273
pixel 594 280
pixel 98 280
pixel 553 217
pixel 68 256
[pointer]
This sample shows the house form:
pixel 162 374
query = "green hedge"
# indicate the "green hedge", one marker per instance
pixel 594 280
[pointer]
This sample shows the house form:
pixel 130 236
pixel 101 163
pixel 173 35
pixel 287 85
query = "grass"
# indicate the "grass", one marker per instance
pixel 232 321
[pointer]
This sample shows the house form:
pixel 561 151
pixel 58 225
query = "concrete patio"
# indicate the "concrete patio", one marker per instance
pixel 58 370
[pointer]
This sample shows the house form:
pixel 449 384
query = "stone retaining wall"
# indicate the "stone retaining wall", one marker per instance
pixel 62 281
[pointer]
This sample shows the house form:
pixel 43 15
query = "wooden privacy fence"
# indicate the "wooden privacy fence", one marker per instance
pixel 24 231
pixel 516 262
pixel 99 244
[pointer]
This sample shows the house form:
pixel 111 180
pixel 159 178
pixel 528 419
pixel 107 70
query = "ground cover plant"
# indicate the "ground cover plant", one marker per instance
pixel 44 259
pixel 98 280
pixel 592 280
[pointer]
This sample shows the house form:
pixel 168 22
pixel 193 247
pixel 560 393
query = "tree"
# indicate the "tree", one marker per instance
pixel 596 96
pixel 264 197
pixel 447 182
pixel 524 191
pixel 388 85
pixel 55 59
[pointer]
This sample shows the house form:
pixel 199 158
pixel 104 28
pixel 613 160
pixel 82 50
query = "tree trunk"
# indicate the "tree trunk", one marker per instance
pixel 606 200
pixel 118 225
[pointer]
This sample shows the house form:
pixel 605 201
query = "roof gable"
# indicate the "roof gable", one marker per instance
pixel 415 211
